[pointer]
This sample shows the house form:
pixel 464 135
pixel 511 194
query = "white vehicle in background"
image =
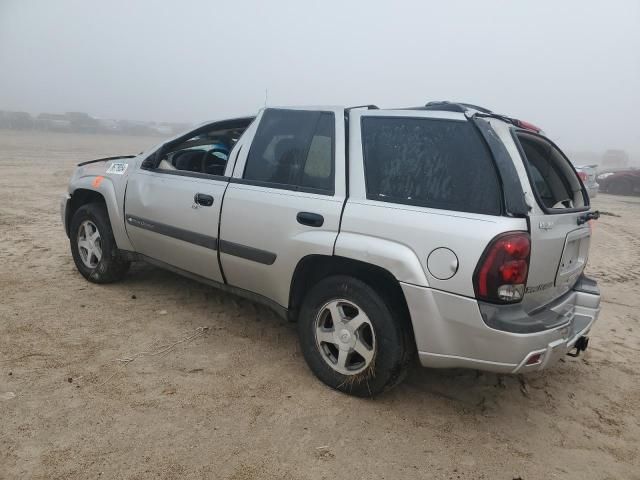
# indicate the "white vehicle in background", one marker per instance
pixel 588 174
pixel 444 229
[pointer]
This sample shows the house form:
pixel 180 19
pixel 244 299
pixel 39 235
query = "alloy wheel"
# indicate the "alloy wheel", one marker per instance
pixel 345 337
pixel 89 244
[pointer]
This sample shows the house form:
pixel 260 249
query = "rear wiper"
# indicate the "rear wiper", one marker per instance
pixel 582 219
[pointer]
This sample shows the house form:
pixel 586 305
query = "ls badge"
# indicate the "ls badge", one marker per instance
pixel 545 225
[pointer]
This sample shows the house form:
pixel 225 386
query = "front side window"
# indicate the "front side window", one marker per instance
pixel 432 163
pixel 204 151
pixel 210 158
pixel 293 149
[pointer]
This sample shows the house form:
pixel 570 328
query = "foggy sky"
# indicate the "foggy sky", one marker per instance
pixel 571 67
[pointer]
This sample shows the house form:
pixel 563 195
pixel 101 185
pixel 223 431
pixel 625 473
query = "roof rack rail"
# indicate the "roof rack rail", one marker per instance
pixel 368 107
pixel 479 112
pixel 455 107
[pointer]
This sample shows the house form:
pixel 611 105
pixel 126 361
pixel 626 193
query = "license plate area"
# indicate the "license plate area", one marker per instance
pixel 574 257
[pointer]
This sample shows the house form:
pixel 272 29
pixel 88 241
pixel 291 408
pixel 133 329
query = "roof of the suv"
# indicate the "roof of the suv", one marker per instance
pixel 468 109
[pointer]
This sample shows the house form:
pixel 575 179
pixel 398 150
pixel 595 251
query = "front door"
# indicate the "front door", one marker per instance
pixel 173 201
pixel 165 223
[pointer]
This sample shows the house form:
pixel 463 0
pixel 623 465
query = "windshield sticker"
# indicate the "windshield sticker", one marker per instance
pixel 118 168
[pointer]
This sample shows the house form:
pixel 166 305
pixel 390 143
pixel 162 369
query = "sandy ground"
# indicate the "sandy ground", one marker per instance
pixel 238 401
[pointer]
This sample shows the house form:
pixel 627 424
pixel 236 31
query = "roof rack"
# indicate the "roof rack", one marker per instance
pixel 368 107
pixel 454 107
pixel 480 112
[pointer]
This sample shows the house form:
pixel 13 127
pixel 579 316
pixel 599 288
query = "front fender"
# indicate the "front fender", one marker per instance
pixel 111 187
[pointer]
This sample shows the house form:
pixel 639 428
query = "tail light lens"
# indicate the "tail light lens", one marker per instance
pixel 583 176
pixel 501 274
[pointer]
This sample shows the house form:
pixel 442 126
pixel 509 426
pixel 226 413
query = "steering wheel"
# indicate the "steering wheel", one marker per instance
pixel 222 151
pixel 215 164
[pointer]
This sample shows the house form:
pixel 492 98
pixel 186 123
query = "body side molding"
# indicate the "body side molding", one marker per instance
pixel 174 232
pixel 231 248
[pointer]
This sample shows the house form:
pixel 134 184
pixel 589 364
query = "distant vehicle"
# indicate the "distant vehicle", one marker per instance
pixel 445 229
pixel 588 175
pixel 622 182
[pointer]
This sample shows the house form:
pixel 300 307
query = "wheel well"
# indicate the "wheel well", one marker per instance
pixel 79 198
pixel 313 268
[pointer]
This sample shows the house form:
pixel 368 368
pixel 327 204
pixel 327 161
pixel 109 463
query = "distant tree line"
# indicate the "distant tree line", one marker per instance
pixel 80 122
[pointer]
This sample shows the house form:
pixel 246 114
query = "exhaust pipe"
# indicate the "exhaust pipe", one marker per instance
pixel 580 346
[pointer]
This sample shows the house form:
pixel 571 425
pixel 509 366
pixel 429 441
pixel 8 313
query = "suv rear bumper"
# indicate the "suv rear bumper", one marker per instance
pixel 450 331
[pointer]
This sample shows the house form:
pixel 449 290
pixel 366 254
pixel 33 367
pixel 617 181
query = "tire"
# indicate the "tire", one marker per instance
pixel 385 339
pixel 97 260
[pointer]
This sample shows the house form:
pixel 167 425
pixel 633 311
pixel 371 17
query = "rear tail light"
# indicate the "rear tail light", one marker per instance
pixel 501 274
pixel 583 176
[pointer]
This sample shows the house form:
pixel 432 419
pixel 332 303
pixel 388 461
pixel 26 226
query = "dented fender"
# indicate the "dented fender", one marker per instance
pixel 396 258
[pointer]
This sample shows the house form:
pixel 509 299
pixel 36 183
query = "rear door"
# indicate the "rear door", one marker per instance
pixel 284 199
pixel 559 242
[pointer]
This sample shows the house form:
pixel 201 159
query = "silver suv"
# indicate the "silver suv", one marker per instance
pixel 444 229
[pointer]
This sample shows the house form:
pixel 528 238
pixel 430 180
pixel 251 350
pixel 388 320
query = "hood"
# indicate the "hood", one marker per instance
pixel 115 169
pixel 106 159
pixel 109 166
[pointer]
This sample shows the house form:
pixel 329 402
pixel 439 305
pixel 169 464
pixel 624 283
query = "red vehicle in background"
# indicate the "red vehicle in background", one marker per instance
pixel 622 182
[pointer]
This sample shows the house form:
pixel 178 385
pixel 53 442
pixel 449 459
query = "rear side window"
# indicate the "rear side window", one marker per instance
pixel 431 163
pixel 293 149
pixel 553 179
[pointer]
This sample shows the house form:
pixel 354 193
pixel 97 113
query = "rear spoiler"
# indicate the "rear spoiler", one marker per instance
pixel 479 112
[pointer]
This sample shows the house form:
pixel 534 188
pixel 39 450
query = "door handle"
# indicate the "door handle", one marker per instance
pixel 310 219
pixel 203 199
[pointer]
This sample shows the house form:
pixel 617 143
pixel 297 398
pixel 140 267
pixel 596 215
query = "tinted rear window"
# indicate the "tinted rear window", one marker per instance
pixel 429 162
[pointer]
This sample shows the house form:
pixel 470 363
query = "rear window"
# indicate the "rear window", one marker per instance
pixel 433 163
pixel 554 181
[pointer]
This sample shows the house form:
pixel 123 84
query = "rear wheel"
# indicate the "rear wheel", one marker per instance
pixel 352 339
pixel 93 247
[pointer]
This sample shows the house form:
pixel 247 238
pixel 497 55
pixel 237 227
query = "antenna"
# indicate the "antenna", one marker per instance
pixel 266 97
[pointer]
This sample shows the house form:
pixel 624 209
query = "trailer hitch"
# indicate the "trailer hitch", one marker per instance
pixel 581 345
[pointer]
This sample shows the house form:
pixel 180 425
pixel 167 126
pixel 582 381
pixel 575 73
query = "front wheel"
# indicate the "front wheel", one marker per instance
pixel 93 247
pixel 352 339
